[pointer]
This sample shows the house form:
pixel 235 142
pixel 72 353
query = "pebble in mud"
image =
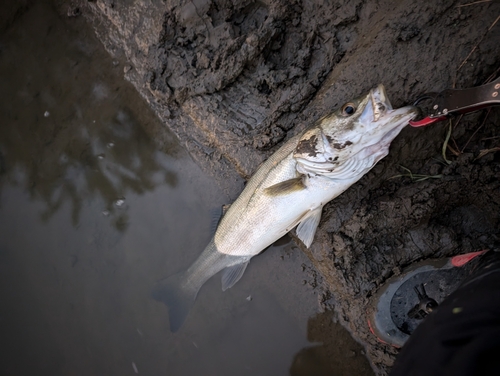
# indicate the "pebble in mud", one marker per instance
pixel 73 12
pixel 110 145
pixel 46 114
pixel 120 202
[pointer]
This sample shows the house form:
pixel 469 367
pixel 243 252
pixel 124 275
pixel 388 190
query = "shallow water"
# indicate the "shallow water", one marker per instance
pixel 93 212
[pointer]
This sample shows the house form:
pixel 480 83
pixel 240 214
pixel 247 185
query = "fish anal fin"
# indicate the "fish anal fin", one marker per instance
pixel 232 274
pixel 286 187
pixel 308 225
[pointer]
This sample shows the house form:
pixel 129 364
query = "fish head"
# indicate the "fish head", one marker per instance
pixel 351 140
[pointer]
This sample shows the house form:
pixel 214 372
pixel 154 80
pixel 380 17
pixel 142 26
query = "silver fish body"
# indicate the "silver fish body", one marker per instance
pixel 288 190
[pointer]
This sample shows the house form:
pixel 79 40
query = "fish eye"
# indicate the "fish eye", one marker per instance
pixel 348 109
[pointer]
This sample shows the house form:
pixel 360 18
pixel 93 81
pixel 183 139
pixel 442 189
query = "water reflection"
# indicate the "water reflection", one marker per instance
pixel 335 352
pixel 65 135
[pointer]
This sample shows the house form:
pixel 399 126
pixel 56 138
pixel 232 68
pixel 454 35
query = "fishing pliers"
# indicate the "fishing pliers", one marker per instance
pixel 455 102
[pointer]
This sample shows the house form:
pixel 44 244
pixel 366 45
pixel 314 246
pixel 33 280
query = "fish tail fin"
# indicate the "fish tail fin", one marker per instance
pixel 177 296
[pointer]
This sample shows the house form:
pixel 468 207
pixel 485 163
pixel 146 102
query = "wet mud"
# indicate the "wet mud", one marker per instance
pixel 234 80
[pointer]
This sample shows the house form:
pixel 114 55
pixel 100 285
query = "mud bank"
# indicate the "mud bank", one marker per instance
pixel 235 79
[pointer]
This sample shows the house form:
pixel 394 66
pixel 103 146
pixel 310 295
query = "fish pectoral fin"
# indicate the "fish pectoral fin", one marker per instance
pixel 308 225
pixel 232 274
pixel 286 187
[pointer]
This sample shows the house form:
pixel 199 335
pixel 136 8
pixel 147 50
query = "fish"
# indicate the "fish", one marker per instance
pixel 289 191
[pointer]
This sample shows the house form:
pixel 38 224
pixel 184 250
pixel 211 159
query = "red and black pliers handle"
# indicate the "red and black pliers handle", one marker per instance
pixel 454 102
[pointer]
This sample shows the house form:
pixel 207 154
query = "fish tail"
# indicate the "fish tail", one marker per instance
pixel 178 296
pixel 178 292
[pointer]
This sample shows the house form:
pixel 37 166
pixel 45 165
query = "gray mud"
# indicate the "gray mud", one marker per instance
pixel 234 79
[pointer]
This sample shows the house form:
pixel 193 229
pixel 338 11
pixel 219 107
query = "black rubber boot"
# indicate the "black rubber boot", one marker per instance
pixel 461 337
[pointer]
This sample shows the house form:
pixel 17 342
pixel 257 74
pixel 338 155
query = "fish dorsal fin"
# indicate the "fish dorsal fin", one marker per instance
pixel 225 208
pixel 286 187
pixel 217 215
pixel 308 225
pixel 232 274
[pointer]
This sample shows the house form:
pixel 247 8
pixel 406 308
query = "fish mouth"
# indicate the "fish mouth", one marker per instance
pixel 380 113
pixel 380 102
pixel 393 120
pixel 397 120
pixel 387 123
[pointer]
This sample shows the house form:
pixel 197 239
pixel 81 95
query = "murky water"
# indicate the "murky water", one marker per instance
pixel 92 213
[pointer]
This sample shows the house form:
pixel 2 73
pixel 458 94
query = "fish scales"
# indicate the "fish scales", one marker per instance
pixel 240 230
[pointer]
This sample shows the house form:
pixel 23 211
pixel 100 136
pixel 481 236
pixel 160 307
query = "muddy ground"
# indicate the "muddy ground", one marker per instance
pixel 235 79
